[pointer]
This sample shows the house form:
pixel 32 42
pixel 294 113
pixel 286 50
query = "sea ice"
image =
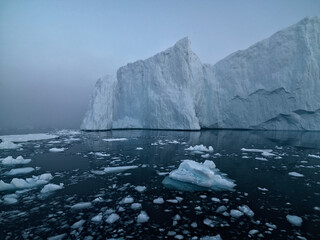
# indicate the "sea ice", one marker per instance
pixel 19 171
pixel 201 174
pixel 19 183
pixel 81 205
pixel 57 149
pixel 142 217
pixel 217 237
pixel 114 139
pixel 158 200
pixel 118 169
pixel 294 220
pixel 127 200
pixel 200 148
pixel 9 145
pixel 51 187
pixel 12 161
pixel 112 218
pixel 140 188
pixel 314 156
pixel 295 174
pixel 78 224
pixel 97 218
pixel 236 213
pixel 27 137
pixel 10 199
pixel 246 210
pixel 136 206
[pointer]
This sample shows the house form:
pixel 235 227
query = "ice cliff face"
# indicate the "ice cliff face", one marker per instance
pixel 274 84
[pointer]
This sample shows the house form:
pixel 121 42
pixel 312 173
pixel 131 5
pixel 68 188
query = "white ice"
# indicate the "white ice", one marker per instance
pixel 142 217
pixel 51 187
pixel 140 188
pixel 112 218
pixel 236 213
pixel 201 174
pixel 295 174
pixel 313 156
pixel 27 137
pixel 57 150
pixel 13 161
pixel 19 171
pixel 158 200
pixel 81 205
pixel 200 148
pixel 294 220
pixel 78 224
pixel 118 169
pixel 246 210
pixel 114 139
pixel 9 145
pixel 216 237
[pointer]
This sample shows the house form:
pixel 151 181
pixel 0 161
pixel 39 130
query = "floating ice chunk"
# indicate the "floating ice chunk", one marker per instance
pixel 208 222
pixel 112 218
pixel 263 189
pixel 57 237
pixel 316 208
pixel 10 199
pixel 19 171
pixel 140 188
pixel 54 142
pixel 97 218
pixel 294 220
pixel 139 148
pixel 295 174
pixel 11 161
pixel 142 217
pixel 217 237
pixel 314 156
pixel 201 174
pixel 9 145
pixel 236 213
pixel 214 199
pixel 27 137
pixel 68 132
pixel 19 183
pixel 57 149
pixel 127 200
pixel 78 224
pixel 51 187
pixel 200 148
pixel 253 232
pixel 118 169
pixel 221 209
pixel 158 200
pixel 268 154
pixel 246 210
pixel 114 139
pixel 261 159
pixel 205 155
pixel 81 205
pixel 256 150
pixel 99 154
pixel 136 206
pixel 98 172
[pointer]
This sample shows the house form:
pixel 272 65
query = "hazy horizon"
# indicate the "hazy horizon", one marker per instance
pixel 52 52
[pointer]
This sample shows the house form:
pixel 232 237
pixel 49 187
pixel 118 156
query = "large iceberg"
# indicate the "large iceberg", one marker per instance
pixel 273 84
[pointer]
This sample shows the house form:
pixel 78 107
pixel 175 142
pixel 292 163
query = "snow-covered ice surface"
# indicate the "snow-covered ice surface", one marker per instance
pixel 273 84
pixel 118 193
pixel 27 137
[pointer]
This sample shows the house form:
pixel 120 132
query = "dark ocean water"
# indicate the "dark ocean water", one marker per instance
pixel 263 185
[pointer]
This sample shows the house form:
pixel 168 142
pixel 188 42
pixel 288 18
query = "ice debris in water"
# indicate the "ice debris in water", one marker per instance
pixel 201 174
pixel 200 148
pixel 118 169
pixel 12 161
pixel 51 187
pixel 127 200
pixel 19 183
pixel 142 217
pixel 10 199
pixel 246 210
pixel 112 218
pixel 158 200
pixel 81 205
pixel 294 220
pixel 57 149
pixel 9 145
pixel 140 188
pixel 20 171
pixel 27 137
pixel 236 213
pixel 295 174
pixel 314 156
pixel 78 224
pixel 114 139
pixel 217 237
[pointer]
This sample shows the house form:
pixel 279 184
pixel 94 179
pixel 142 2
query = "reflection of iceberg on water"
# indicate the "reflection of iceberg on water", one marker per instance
pixel 194 176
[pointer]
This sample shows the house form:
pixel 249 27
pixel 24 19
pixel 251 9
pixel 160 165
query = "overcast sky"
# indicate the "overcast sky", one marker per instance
pixel 52 52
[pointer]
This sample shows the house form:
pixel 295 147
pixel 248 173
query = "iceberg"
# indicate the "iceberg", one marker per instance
pixel 13 161
pixel 194 176
pixel 272 85
pixel 19 171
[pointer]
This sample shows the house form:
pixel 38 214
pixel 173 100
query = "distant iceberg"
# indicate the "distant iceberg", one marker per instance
pixel 273 84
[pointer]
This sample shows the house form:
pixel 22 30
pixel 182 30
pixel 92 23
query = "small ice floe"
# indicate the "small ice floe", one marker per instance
pixel 172 200
pixel 140 188
pixel 97 218
pixel 68 132
pixel 54 142
pixel 112 218
pixel 118 169
pixel 263 189
pixel 295 174
pixel 205 155
pixel 316 208
pixel 261 159
pixel 294 220
pixel 78 224
pixel 81 205
pixel 216 237
pixel 9 145
pixel 256 150
pixel 253 232
pixel 136 206
pixel 12 161
pixel 139 148
pixel 57 150
pixel 51 188
pixel 20 171
pixel 127 200
pixel 236 213
pixel 10 199
pixel 314 156
pixel 142 217
pixel 114 139
pixel 19 183
pixel 98 172
pixel 27 137
pixel 200 148
pixel 57 237
pixel 158 200
pixel 246 210
pixel 214 199
pixel 100 154
pixel 192 176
